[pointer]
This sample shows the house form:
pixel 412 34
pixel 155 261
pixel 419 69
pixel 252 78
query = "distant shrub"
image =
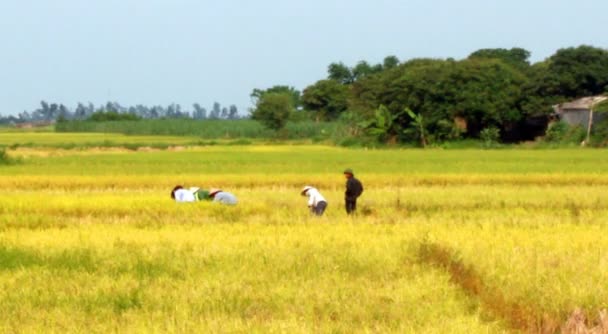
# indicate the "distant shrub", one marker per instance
pixel 561 132
pixel 556 132
pixel 350 142
pixel 5 159
pixel 490 136
pixel 447 131
pixel 104 116
pixel 600 134
pixel 3 156
pixel 208 129
pixel 205 129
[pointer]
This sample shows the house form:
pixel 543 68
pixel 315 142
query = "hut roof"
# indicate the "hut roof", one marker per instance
pixel 584 103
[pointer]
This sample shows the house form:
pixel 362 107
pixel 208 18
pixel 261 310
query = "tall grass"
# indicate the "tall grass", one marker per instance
pixel 208 129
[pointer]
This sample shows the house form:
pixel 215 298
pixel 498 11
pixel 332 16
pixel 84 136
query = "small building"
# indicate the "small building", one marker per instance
pixel 577 112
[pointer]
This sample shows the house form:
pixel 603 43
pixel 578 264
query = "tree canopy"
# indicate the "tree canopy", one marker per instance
pixel 492 88
pixel 273 110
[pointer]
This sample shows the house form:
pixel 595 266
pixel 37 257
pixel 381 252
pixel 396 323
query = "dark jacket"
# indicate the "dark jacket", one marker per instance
pixel 354 188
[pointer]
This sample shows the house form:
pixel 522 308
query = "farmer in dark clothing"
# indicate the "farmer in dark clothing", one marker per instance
pixel 354 188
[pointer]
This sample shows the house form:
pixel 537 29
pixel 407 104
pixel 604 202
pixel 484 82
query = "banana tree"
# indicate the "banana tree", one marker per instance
pixel 416 127
pixel 384 125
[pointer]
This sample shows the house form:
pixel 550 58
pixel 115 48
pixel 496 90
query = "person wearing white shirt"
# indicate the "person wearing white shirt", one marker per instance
pixel 222 197
pixel 316 201
pixel 182 195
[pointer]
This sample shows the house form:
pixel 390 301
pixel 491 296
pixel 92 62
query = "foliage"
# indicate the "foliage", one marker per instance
pixel 4 158
pixel 417 127
pixel 577 72
pixel 273 110
pixel 49 112
pixel 561 132
pixel 599 134
pixel 105 116
pixel 326 99
pixel 557 132
pixel 384 126
pixel 208 129
pixel 447 130
pixel 491 88
pixel 490 136
pixel 345 75
pixel 485 92
pixel 293 94
pixel 516 57
pixel 390 62
pixel 601 107
pixel 568 74
pixel 340 73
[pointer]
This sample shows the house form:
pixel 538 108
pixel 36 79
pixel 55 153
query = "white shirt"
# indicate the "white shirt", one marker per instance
pixel 314 197
pixel 184 196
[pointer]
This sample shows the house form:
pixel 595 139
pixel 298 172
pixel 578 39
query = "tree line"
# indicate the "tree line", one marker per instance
pixel 496 93
pixel 111 111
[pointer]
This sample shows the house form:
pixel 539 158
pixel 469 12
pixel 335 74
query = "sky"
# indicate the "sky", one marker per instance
pixel 155 52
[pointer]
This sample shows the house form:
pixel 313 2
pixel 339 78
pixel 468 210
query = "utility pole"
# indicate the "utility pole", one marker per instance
pixel 590 125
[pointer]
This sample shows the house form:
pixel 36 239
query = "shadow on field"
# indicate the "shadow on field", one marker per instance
pixel 495 304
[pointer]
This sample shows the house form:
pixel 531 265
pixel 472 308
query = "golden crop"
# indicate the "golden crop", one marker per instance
pixel 445 241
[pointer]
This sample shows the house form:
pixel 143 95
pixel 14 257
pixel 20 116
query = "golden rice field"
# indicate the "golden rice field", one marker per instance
pixel 446 241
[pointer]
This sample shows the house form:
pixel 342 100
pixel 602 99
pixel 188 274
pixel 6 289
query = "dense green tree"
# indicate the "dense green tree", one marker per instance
pixel 363 69
pixel 517 57
pixel 390 62
pixel 415 84
pixel 577 72
pixel 293 94
pixel 273 110
pixel 327 99
pixel 485 92
pixel 539 93
pixel 340 73
pixel 568 74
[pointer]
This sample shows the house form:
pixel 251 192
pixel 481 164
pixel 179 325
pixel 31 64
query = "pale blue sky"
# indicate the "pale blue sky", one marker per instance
pixel 185 51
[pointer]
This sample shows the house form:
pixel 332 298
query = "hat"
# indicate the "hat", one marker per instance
pixel 349 171
pixel 176 188
pixel 214 191
pixel 305 190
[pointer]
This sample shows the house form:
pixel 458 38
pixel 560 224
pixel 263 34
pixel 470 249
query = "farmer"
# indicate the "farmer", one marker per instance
pixel 181 195
pixel 222 197
pixel 316 201
pixel 354 189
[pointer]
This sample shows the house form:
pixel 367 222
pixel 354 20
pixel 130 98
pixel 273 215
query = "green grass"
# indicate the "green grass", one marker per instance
pixel 207 129
pixel 85 140
pixel 316 160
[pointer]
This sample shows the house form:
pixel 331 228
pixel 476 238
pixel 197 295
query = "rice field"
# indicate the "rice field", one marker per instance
pixel 456 241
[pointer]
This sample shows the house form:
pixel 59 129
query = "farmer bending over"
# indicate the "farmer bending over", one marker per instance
pixel 181 195
pixel 222 197
pixel 316 201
